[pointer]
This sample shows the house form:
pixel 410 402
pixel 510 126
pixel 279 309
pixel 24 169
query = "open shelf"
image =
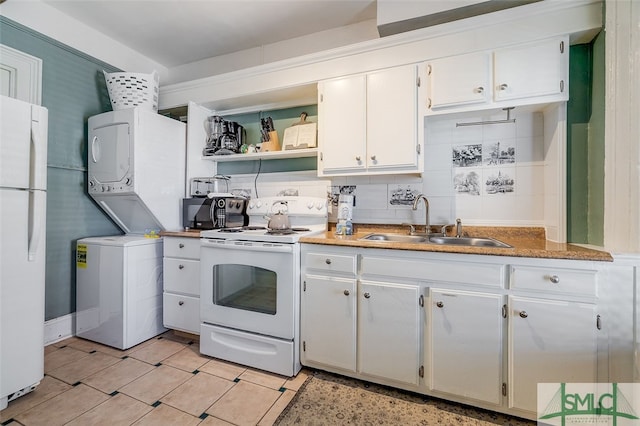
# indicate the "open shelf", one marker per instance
pixel 271 155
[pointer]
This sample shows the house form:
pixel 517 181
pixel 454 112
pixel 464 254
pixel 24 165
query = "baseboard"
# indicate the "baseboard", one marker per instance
pixel 60 328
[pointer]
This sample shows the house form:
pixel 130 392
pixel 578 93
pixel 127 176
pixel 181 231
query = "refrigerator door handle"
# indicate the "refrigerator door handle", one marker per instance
pixel 37 209
pixel 38 155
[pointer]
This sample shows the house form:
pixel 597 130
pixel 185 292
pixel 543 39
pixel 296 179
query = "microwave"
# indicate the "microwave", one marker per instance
pixel 214 212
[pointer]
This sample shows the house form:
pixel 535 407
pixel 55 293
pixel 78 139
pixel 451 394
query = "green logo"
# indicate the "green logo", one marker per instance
pixel 588 407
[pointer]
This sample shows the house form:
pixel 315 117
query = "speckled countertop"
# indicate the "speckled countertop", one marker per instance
pixel 525 242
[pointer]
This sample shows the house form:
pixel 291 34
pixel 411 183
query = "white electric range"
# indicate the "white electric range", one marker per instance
pixel 250 285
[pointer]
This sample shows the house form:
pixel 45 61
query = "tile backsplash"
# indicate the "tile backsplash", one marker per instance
pixel 485 175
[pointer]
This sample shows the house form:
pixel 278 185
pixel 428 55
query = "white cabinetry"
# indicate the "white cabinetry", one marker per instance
pixel 181 297
pixel 531 73
pixel 368 123
pixel 481 330
pixel 464 343
pixel 553 328
pixel 389 331
pixel 328 301
pixel 357 327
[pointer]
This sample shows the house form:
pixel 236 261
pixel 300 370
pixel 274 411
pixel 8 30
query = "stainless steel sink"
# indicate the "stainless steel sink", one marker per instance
pixel 468 241
pixel 395 238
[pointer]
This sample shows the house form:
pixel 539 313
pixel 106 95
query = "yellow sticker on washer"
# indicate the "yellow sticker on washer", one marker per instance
pixel 81 256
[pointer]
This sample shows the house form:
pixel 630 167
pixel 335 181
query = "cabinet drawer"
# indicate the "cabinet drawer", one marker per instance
pixel 331 262
pixel 181 276
pixel 181 312
pixel 486 274
pixel 185 247
pixel 581 282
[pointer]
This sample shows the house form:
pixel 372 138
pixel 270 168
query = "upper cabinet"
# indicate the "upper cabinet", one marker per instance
pixel 523 74
pixel 368 123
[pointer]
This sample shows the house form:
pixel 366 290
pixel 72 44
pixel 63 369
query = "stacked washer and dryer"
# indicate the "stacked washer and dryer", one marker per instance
pixel 136 174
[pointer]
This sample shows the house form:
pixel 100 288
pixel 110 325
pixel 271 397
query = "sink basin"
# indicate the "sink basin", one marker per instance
pixel 395 238
pixel 468 241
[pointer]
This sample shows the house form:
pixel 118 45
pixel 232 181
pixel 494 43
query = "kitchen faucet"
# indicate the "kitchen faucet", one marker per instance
pixel 427 227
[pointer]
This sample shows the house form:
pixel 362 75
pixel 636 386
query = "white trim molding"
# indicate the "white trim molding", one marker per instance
pixel 60 328
pixel 20 75
pixel 622 128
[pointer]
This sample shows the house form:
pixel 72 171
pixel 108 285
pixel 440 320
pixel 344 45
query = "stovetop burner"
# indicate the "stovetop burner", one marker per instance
pixel 280 232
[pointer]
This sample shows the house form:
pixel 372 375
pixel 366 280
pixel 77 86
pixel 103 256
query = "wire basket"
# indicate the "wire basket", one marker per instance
pixel 130 90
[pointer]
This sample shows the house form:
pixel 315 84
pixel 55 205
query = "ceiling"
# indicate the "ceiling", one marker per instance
pixel 177 32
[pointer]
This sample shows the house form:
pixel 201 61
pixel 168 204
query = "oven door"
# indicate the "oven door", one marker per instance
pixel 250 286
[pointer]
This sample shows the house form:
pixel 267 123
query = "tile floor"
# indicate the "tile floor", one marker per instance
pixel 163 381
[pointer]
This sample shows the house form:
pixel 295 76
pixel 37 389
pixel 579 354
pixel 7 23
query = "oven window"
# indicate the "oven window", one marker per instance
pixel 245 287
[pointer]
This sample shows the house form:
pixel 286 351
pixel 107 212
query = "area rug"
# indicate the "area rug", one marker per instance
pixel 329 399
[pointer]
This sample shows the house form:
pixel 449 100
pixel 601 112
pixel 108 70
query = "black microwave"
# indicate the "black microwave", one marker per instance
pixel 214 213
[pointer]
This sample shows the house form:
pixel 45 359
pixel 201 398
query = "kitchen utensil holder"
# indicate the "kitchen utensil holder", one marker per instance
pixel 130 90
pixel 273 144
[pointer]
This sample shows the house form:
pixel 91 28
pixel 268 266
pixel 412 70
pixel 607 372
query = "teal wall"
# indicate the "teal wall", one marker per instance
pixel 73 89
pixel 585 144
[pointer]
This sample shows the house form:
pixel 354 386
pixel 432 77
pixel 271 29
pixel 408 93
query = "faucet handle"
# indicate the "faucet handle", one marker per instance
pixel 412 228
pixel 458 228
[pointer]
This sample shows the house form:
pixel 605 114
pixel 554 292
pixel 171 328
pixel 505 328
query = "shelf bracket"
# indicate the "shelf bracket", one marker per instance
pixel 482 123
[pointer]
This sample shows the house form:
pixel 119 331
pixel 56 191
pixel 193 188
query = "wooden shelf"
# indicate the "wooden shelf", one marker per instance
pixel 271 155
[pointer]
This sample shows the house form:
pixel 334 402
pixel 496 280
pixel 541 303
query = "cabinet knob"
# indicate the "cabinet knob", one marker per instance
pixel 180 266
pixel 327 261
pixel 181 245
pixel 479 89
pixel 440 304
pixel 346 292
pixel 358 158
pixel 373 158
pixel 367 295
pixel 554 279
pixel 181 303
pixel 503 86
pixel 523 314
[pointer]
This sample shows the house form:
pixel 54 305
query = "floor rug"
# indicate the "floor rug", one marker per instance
pixel 329 399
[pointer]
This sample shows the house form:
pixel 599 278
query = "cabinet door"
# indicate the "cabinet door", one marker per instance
pixel 459 80
pixel 392 102
pixel 549 342
pixel 328 326
pixel 465 344
pixel 538 69
pixel 389 331
pixel 342 124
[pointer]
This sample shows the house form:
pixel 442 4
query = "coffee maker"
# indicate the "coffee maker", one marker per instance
pixel 223 137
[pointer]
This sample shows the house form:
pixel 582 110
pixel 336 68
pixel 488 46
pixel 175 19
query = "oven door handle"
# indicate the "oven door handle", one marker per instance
pixel 247 246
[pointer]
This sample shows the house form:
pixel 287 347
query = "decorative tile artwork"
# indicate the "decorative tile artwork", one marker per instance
pixel 485 175
pixel 402 195
pixel 335 190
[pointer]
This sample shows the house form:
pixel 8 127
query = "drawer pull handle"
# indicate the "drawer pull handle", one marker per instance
pixel 479 89
pixel 367 295
pixel 503 86
pixel 327 261
pixel 346 292
pixel 554 279
pixel 180 266
pixel 523 314
pixel 440 304
pixel 181 245
pixel 181 303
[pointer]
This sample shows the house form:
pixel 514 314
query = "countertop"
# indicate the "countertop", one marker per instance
pixel 525 242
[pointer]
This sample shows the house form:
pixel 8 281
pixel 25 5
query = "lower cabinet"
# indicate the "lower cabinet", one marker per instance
pixel 389 331
pixel 329 321
pixel 549 342
pixel 464 344
pixel 484 333
pixel 181 284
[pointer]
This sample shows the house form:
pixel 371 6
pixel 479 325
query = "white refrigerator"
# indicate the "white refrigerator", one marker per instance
pixel 23 199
